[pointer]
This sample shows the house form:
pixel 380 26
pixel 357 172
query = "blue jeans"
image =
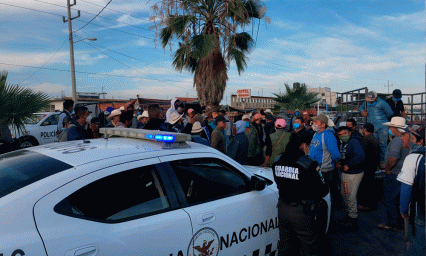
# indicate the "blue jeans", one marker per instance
pixel 382 135
pixel 392 190
pixel 417 247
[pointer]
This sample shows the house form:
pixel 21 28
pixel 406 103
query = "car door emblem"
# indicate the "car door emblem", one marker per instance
pixel 204 243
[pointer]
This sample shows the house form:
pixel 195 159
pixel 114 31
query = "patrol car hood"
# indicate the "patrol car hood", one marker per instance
pixel 261 171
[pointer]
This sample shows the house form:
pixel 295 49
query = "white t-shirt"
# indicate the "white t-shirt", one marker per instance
pixel 409 169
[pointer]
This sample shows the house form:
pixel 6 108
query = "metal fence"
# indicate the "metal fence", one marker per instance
pixel 349 103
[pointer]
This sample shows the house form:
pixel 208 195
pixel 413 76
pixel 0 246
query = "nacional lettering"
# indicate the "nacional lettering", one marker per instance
pixel 287 172
pixel 247 233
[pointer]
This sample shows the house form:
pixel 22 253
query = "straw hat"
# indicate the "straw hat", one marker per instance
pixel 174 117
pixel 115 112
pixel 144 114
pixel 196 127
pixel 397 122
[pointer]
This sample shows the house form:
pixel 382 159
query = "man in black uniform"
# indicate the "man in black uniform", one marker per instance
pixel 396 104
pixel 301 188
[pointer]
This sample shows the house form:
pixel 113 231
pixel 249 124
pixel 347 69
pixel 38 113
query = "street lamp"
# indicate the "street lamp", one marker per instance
pixel 88 39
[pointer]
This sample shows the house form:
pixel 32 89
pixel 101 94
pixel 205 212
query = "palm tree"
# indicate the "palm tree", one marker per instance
pixel 19 103
pixel 297 97
pixel 209 40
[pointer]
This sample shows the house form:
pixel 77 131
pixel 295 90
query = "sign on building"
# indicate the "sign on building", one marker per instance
pixel 243 93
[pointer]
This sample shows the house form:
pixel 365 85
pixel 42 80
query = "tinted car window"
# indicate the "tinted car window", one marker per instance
pixel 207 179
pixel 118 197
pixel 21 168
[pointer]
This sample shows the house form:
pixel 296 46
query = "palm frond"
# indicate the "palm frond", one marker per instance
pixel 243 41
pixel 297 97
pixel 18 103
pixel 202 45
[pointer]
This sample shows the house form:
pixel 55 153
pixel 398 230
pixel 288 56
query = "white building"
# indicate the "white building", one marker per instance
pixel 325 94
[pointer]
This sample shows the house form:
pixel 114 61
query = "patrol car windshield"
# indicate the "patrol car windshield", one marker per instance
pixel 35 119
pixel 23 167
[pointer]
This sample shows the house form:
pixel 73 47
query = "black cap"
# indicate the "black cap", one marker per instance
pixel 220 119
pixel 397 93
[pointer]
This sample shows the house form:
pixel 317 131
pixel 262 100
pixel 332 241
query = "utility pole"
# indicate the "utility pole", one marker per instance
pixel 388 86
pixel 73 88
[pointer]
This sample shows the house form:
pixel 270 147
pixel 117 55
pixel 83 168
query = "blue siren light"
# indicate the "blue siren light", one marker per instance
pixel 150 136
pixel 165 138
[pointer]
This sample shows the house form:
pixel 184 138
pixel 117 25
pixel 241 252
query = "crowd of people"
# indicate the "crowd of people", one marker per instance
pixel 309 158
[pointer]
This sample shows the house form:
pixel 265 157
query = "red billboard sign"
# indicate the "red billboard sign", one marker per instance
pixel 244 93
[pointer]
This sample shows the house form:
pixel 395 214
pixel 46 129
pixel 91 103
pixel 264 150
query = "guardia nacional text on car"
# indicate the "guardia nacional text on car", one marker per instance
pixel 135 192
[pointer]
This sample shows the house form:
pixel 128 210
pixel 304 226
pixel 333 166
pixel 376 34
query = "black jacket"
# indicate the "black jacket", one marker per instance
pixel 154 124
pixel 294 181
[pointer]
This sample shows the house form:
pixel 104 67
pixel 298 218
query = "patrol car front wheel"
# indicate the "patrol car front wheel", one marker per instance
pixel 26 143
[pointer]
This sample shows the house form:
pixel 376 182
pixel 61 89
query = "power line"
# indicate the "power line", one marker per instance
pixel 145 36
pixel 113 10
pixel 45 62
pixel 92 73
pixel 98 16
pixel 94 17
pixel 125 32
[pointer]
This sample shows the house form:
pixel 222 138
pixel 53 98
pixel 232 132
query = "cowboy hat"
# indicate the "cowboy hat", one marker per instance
pixel 144 114
pixel 196 127
pixel 115 112
pixel 174 117
pixel 397 122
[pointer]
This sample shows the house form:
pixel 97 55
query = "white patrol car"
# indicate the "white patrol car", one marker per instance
pixel 142 193
pixel 39 130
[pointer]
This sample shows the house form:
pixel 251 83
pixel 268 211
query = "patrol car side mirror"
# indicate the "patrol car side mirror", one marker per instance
pixel 257 183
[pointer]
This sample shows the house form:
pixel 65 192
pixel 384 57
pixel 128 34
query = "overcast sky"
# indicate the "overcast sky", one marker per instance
pixel 341 44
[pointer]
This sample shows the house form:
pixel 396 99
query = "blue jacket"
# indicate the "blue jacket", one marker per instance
pixel 200 140
pixel 326 161
pixel 379 113
pixel 354 156
pixel 238 148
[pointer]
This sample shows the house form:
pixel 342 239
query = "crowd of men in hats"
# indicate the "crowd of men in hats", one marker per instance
pixel 309 157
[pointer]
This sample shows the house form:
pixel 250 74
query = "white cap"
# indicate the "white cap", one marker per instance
pixel 246 117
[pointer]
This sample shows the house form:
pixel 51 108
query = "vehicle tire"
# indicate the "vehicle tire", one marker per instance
pixel 26 142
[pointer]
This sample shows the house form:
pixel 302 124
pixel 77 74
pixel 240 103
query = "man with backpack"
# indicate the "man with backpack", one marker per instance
pixel 65 117
pixel 412 178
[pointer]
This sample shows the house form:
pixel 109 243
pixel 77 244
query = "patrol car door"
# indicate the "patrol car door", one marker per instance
pixel 228 217
pixel 127 209
pixel 47 131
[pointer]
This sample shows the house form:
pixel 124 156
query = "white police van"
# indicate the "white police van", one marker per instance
pixel 136 192
pixel 39 130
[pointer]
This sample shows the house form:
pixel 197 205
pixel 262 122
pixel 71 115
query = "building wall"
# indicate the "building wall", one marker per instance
pixel 252 102
pixel 325 94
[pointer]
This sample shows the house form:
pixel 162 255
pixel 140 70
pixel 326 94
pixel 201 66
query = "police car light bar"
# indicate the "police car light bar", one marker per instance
pixel 166 137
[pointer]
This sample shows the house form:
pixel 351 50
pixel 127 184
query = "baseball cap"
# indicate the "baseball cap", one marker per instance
pixel 323 118
pixel 245 117
pixel 397 93
pixel 280 123
pixel 372 95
